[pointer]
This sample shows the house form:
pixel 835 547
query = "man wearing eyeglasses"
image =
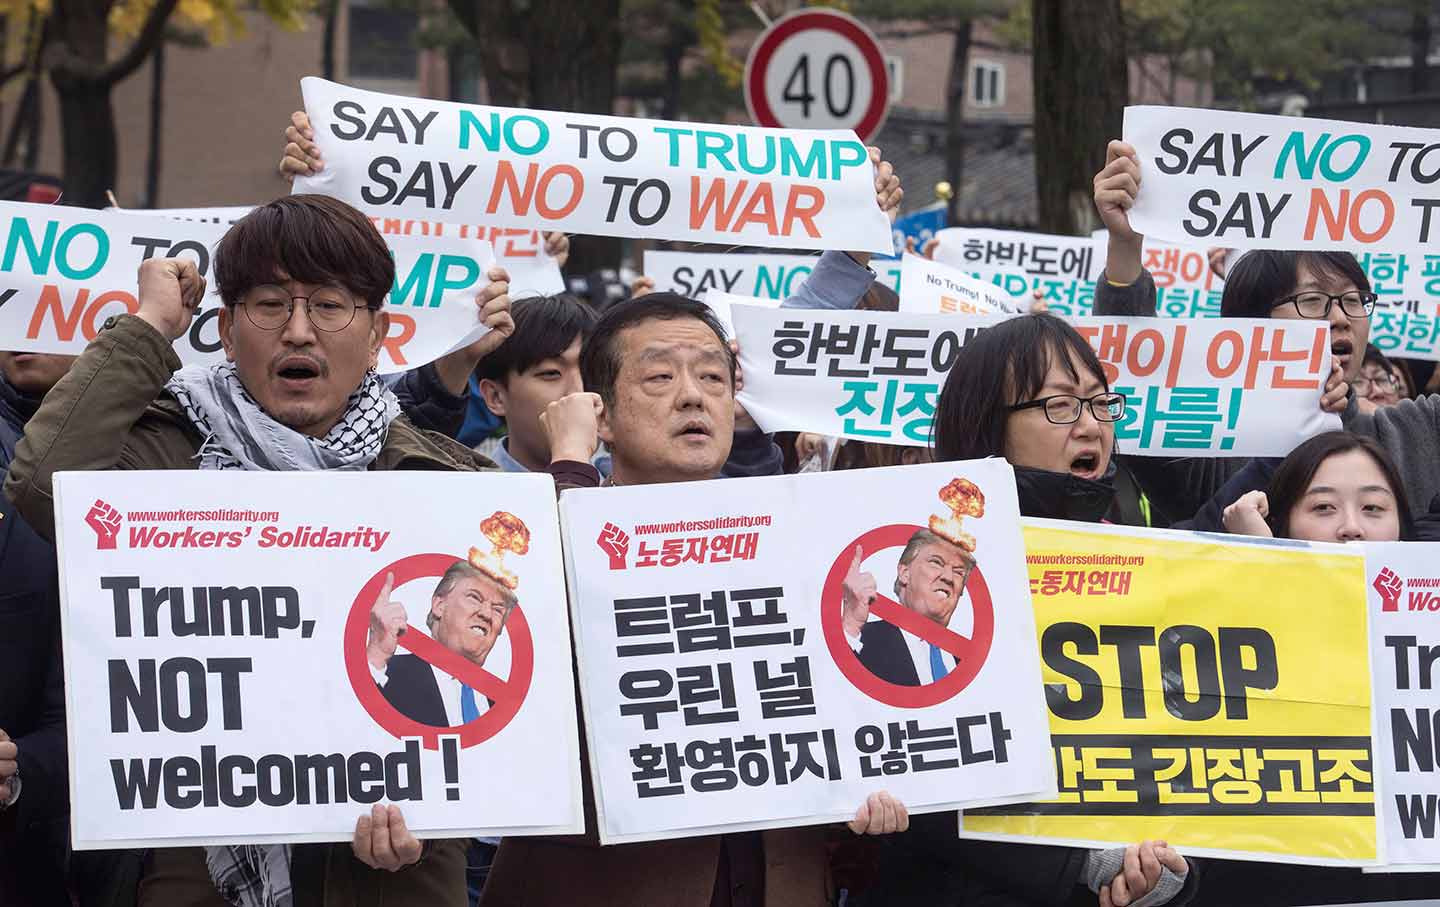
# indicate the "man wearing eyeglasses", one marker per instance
pixel 304 280
pixel 1262 283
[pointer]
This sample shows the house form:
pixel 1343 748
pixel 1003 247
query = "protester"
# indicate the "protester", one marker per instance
pixel 1335 487
pixel 33 772
pixel 297 391
pixel 665 375
pixel 1262 283
pixel 536 366
pixel 1032 390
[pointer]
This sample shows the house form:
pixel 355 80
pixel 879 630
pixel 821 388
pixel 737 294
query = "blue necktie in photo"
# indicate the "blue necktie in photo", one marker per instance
pixel 469 711
pixel 937 664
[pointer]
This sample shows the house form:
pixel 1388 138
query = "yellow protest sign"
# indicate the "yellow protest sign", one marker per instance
pixel 1208 692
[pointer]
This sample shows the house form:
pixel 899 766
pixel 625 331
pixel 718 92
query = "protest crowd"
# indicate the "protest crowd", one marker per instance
pixel 650 390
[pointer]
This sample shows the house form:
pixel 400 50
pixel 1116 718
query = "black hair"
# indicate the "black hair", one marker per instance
pixel 1294 475
pixel 1261 277
pixel 600 357
pixel 1001 366
pixel 313 239
pixel 545 326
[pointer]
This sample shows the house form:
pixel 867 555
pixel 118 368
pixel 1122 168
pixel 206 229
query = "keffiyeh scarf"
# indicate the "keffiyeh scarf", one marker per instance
pixel 240 435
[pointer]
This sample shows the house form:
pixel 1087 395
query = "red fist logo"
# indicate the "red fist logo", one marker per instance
pixel 105 520
pixel 1389 586
pixel 615 543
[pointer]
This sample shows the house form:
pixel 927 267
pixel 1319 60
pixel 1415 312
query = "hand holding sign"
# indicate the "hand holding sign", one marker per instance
pixel 383 842
pixel 301 156
pixel 1141 873
pixel 170 292
pixel 387 622
pixel 9 756
pixel 858 591
pixel 1115 189
pixel 880 814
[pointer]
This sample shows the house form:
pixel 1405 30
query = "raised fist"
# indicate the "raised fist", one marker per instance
pixel 1389 586
pixel 105 520
pixel 615 543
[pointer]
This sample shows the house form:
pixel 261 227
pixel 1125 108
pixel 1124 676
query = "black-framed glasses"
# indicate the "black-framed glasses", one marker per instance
pixel 330 309
pixel 1317 304
pixel 1364 383
pixel 1062 409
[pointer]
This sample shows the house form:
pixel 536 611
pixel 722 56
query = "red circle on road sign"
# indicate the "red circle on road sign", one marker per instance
pixel 825 20
pixel 967 663
pixel 357 627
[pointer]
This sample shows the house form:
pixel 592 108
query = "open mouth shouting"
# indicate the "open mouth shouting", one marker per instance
pixel 1086 464
pixel 298 374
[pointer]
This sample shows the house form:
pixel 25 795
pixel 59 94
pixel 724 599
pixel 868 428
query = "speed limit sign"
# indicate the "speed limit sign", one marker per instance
pixel 818 69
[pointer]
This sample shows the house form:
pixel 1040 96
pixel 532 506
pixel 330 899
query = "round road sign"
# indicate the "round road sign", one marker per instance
pixel 818 69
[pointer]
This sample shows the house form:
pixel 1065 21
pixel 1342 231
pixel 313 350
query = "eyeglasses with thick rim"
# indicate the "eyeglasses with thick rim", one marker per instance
pixel 1362 383
pixel 330 309
pixel 1309 305
pixel 1066 408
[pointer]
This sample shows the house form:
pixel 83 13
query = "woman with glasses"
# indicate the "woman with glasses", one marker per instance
pixel 1262 283
pixel 1032 390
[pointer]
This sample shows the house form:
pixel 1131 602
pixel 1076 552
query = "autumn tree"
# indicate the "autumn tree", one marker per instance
pixel 1081 83
pixel 910 18
pixel 76 55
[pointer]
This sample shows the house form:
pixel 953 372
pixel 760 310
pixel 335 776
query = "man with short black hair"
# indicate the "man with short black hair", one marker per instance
pixel 304 281
pixel 537 365
pixel 665 377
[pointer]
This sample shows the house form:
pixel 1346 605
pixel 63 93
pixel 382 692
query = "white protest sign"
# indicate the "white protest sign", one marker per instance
pixel 1249 180
pixel 519 251
pixel 723 304
pixel 869 376
pixel 765 276
pixel 601 175
pixel 1238 387
pixel 221 686
pixel 1404 598
pixel 936 288
pixel 727 687
pixel 67 270
pixel 70 269
pixel 1062 268
pixel 1185 286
